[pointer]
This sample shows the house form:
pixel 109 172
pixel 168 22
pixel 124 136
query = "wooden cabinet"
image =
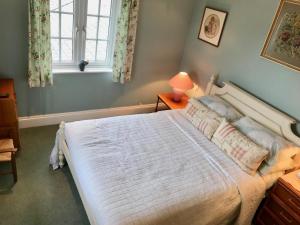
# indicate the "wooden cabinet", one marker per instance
pixel 282 206
pixel 9 126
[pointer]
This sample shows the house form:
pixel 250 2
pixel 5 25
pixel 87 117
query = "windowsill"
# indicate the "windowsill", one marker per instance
pixel 86 71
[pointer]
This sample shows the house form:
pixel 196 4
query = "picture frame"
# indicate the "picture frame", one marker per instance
pixel 283 41
pixel 212 26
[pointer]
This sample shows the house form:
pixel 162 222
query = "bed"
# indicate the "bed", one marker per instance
pixel 157 169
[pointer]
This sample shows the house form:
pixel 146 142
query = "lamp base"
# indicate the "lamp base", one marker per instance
pixel 177 96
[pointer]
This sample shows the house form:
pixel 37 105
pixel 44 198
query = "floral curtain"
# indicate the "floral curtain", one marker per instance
pixel 125 40
pixel 40 58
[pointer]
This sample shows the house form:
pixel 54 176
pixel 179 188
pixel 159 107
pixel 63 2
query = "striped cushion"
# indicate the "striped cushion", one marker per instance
pixel 241 149
pixel 204 119
pixel 193 107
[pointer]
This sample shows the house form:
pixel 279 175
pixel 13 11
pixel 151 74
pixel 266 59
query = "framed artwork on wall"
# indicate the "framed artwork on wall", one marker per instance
pixel 283 41
pixel 212 26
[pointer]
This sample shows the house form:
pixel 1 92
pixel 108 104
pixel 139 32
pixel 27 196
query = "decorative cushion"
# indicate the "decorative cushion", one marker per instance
pixel 204 119
pixel 281 151
pixel 282 164
pixel 222 107
pixel 193 107
pixel 241 149
pixel 271 178
pixel 296 159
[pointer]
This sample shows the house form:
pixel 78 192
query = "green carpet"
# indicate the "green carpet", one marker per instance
pixel 41 196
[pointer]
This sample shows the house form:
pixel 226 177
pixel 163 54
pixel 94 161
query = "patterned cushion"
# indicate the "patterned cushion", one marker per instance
pixel 202 117
pixel 280 150
pixel 241 149
pixel 193 107
pixel 221 107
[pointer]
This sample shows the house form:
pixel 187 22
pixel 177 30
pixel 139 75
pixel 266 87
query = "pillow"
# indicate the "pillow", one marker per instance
pixel 241 149
pixel 204 119
pixel 192 107
pixel 222 107
pixel 280 150
pixel 283 163
pixel 296 160
pixel 271 178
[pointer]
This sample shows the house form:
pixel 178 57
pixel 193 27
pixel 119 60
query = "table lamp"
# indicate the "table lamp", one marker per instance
pixel 180 83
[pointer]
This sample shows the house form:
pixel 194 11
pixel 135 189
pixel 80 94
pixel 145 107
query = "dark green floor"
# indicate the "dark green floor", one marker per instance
pixel 41 196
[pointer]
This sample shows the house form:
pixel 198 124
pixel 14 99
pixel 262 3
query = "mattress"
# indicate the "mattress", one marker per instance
pixel 157 169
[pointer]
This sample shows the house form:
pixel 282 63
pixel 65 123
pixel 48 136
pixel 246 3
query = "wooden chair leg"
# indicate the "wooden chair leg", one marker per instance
pixel 14 167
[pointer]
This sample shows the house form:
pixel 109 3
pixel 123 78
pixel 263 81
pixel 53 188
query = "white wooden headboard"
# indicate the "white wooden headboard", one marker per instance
pixel 254 108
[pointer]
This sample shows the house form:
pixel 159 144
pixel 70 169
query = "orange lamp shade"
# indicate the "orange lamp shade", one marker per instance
pixel 180 83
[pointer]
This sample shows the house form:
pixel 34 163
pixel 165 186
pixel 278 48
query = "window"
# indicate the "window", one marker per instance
pixel 82 29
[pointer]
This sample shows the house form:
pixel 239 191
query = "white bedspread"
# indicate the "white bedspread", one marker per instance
pixel 157 169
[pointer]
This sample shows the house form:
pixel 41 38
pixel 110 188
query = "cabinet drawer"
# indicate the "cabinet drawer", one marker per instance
pixel 274 204
pixel 289 198
pixel 267 218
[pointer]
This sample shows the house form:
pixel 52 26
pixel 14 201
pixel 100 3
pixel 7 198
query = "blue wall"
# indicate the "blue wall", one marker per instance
pixel 161 37
pixel 238 57
pixel 164 28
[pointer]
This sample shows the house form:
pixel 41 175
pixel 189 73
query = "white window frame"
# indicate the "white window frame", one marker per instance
pixel 79 38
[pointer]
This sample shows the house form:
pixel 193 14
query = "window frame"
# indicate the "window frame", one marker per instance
pixel 79 36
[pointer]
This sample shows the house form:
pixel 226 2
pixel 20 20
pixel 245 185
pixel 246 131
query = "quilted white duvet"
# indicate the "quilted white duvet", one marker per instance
pixel 157 169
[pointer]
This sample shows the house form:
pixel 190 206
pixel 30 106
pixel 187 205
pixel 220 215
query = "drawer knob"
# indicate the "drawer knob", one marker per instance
pixel 285 217
pixel 294 203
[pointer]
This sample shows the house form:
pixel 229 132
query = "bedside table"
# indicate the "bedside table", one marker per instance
pixel 166 98
pixel 282 206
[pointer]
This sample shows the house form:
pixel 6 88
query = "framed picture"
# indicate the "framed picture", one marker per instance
pixel 212 26
pixel 283 42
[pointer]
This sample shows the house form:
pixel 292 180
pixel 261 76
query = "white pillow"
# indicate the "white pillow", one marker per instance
pixel 281 151
pixel 221 107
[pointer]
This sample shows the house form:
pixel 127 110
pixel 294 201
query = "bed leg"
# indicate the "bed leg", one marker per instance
pixel 61 158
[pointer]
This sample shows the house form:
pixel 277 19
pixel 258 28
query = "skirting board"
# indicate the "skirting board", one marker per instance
pixel 56 118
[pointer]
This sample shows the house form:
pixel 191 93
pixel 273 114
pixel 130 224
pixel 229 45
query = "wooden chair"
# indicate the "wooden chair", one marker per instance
pixel 9 125
pixel 8 154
